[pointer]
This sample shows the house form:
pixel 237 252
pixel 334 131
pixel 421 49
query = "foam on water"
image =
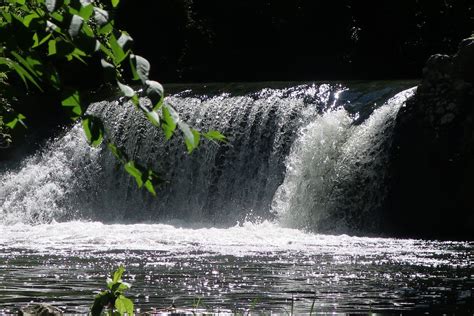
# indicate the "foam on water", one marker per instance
pixel 248 239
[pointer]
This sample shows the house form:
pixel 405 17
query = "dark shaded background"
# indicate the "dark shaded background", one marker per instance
pixel 260 40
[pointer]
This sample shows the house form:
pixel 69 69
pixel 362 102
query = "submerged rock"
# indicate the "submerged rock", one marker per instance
pixel 40 310
pixel 432 159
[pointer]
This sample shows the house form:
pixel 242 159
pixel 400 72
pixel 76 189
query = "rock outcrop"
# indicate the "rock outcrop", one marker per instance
pixel 432 158
pixel 40 310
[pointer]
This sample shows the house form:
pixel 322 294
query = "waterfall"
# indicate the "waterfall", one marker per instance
pixel 336 171
pixel 305 142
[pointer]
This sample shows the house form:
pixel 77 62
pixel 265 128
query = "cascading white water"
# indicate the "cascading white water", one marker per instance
pixel 219 184
pixel 336 170
pixel 42 187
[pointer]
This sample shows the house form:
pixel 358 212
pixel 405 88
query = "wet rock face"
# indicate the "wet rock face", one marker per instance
pixel 5 140
pixel 463 64
pixel 40 310
pixel 432 169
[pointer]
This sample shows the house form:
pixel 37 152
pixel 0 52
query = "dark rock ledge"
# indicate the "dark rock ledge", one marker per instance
pixel 432 157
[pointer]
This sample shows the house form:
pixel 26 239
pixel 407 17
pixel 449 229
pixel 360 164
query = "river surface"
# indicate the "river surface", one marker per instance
pixel 262 267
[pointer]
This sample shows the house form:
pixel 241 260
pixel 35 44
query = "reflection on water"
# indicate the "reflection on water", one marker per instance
pixel 260 265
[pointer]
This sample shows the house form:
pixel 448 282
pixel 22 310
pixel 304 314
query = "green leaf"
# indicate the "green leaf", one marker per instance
pixel 78 54
pixel 12 123
pixel 24 75
pixel 76 25
pixel 107 52
pixel 140 68
pixel 30 17
pixel 58 17
pixel 7 16
pixel 117 51
pixel 122 287
pixel 44 39
pixel 28 63
pixel 154 91
pixel 126 90
pixel 150 187
pixel 170 119
pixel 149 182
pixel 133 68
pixel 134 172
pixel 54 79
pixel 74 101
pixel 18 119
pixel 135 100
pixel 115 3
pixel 124 305
pixel 191 136
pixel 37 42
pixel 153 117
pixel 86 11
pixel 116 151
pixel 88 31
pixel 110 283
pixel 52 47
pixel 215 135
pixel 20 71
pixel 117 276
pixel 100 300
pixel 94 130
pixel 106 29
pixel 119 288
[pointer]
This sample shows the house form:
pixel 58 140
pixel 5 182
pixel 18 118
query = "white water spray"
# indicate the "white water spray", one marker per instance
pixel 336 171
pixel 41 189
pixel 219 184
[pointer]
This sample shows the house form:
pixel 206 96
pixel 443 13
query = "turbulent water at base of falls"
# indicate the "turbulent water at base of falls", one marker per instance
pixel 311 144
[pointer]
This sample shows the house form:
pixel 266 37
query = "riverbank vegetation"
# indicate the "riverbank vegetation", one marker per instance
pixel 45 43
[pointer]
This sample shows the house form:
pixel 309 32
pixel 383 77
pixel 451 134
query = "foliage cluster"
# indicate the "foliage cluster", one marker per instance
pixel 37 36
pixel 114 297
pixel 5 138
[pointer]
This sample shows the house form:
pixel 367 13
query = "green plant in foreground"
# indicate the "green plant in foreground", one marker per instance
pixel 114 297
pixel 38 37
